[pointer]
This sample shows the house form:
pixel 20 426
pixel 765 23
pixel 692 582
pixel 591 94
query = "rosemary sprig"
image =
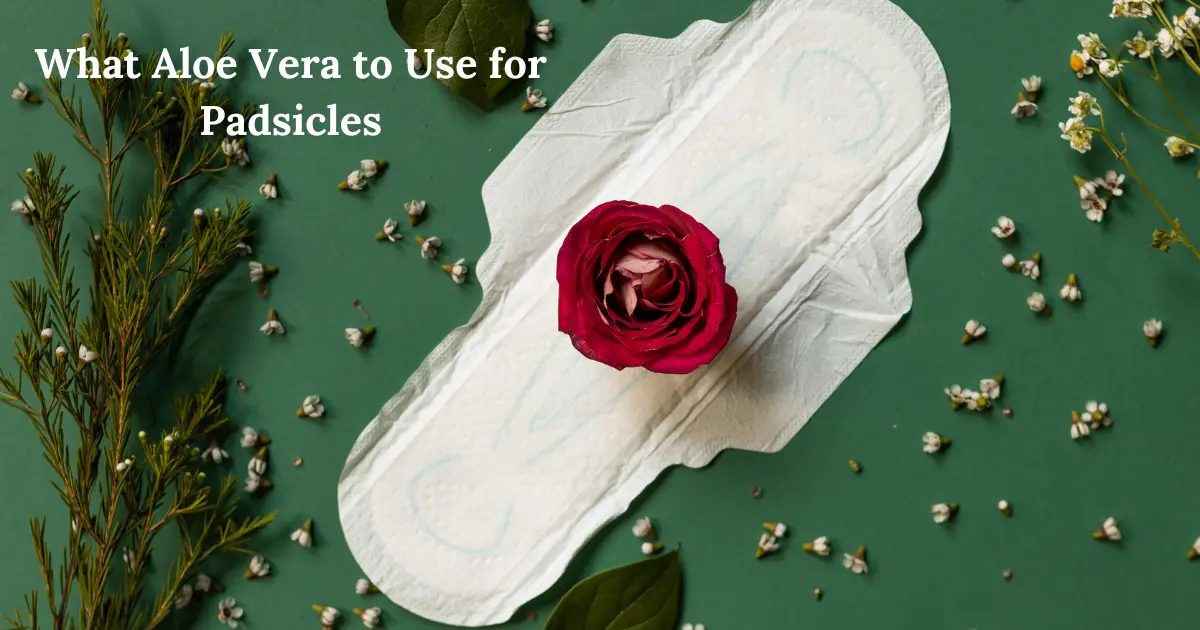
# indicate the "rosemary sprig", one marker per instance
pixel 149 274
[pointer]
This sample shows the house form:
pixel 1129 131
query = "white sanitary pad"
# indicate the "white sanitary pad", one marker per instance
pixel 800 134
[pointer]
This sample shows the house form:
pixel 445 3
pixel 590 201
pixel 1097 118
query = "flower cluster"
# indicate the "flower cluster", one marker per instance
pixel 1093 57
pixel 769 541
pixel 357 179
pixel 1095 416
pixel 644 528
pixel 989 391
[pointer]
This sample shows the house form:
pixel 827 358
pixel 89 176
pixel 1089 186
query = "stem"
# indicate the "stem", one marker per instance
pixel 1167 92
pixel 1120 155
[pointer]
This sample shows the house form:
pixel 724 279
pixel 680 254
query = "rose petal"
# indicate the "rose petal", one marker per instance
pixel 632 264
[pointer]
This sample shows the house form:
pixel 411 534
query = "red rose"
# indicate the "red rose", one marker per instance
pixel 640 286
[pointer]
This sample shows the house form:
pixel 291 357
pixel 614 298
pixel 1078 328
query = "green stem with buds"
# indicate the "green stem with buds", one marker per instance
pixel 146 283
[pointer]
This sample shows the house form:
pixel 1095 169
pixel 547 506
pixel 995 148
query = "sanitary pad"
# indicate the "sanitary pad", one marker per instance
pixel 800 134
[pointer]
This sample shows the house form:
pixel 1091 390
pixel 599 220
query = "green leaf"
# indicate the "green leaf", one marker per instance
pixel 643 595
pixel 464 28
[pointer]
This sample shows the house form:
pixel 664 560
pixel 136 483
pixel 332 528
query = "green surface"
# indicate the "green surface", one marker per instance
pixel 922 575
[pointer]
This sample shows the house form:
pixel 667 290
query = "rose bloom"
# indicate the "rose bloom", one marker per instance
pixel 640 286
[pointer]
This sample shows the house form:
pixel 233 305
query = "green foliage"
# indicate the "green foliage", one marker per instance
pixel 147 280
pixel 464 28
pixel 643 596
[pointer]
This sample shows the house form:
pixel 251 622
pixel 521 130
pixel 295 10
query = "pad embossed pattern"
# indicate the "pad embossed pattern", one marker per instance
pixel 801 134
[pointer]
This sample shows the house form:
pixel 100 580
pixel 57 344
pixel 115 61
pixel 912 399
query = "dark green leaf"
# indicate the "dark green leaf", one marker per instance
pixel 464 28
pixel 643 595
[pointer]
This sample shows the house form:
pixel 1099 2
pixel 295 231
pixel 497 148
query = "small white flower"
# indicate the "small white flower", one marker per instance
pixel 128 556
pixel 204 583
pixel 933 442
pixel 973 330
pixel 1178 147
pixel 1168 43
pixel 312 407
pixel 371 168
pixel 943 512
pixel 86 355
pixel 957 396
pixel 273 326
pixel 1004 507
pixel 977 401
pixel 1079 63
pixel 244 249
pixel 250 437
pixel 389 233
pixel 47 333
pixel 1004 228
pixel 371 616
pixel 228 612
pixel 819 546
pixel 1092 46
pixel 534 99
pixel 258 568
pixel 1075 132
pixel 1033 85
pixel 1070 291
pixel 1152 328
pixel 767 544
pixel 214 453
pixel 1036 302
pixel 1108 531
pixel 857 562
pixel 1024 107
pixel 329 617
pixel 121 466
pixel 1139 47
pixel 457 271
pixel 1031 268
pixel 429 246
pixel 254 483
pixel 1009 261
pixel 21 92
pixel 208 85
pixel 544 30
pixel 650 548
pixel 303 536
pixel 1095 207
pixel 1087 188
pixel 1188 23
pixel 184 597
pixel 1110 68
pixel 990 387
pixel 1096 415
pixel 643 528
pixel 1084 105
pixel 415 210
pixel 258 463
pixel 364 587
pixel 60 352
pixel 270 188
pixel 776 529
pixel 359 336
pixel 260 272
pixel 354 181
pixel 235 151
pixel 1079 428
pixel 1112 183
pixel 23 207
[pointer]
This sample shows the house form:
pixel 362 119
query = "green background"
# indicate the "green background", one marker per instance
pixel 442 150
